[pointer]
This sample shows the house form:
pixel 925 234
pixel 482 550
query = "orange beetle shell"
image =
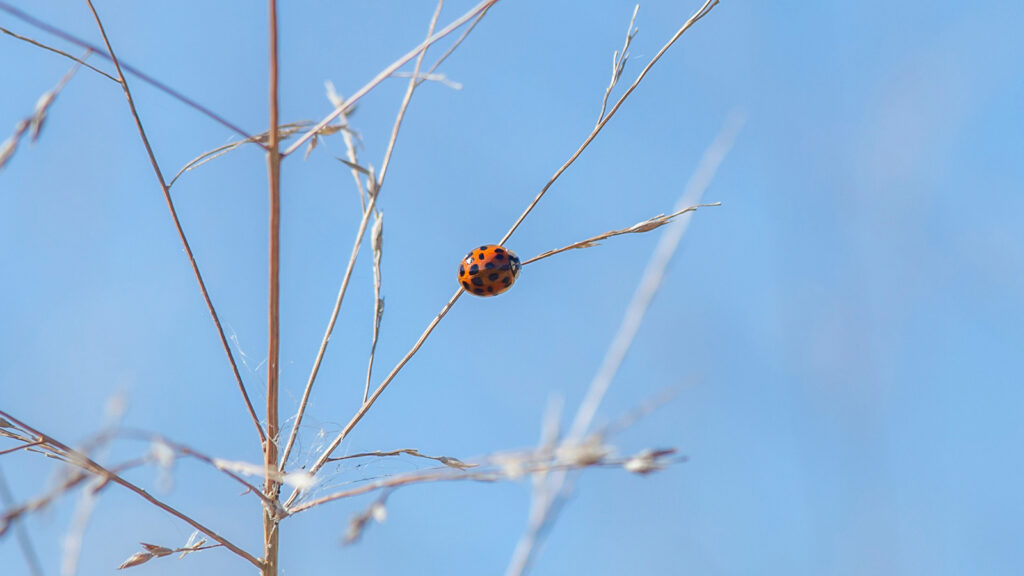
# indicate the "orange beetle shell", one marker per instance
pixel 489 270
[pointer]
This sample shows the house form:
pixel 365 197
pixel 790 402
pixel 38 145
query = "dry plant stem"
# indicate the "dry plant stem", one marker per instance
pixel 385 73
pixel 24 543
pixel 91 466
pixel 177 225
pixel 376 394
pixel 373 192
pixel 708 5
pixel 270 483
pixel 57 51
pixel 549 495
pixel 24 17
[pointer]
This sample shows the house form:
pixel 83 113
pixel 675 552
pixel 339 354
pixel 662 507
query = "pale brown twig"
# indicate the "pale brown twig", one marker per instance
pixel 385 73
pixel 24 17
pixel 177 223
pixel 446 460
pixel 270 484
pixel 708 5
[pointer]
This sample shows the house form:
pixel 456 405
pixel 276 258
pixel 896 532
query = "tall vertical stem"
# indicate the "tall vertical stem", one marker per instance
pixel 272 488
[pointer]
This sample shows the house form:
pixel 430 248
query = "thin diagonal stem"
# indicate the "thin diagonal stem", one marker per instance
pixel 177 223
pixel 376 393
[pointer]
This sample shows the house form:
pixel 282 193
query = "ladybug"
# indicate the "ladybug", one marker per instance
pixel 489 270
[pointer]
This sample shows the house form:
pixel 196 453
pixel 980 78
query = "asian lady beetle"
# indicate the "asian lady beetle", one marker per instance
pixel 489 270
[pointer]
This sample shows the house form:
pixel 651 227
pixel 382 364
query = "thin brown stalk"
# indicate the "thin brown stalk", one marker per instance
pixel 58 51
pixel 373 192
pixel 386 73
pixel 703 11
pixel 93 467
pixel 271 485
pixel 24 17
pixel 376 394
pixel 177 223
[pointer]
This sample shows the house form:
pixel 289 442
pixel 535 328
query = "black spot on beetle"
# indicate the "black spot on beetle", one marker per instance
pixel 489 265
pixel 499 250
pixel 490 289
pixel 466 285
pixel 462 271
pixel 478 281
pixel 499 256
pixel 483 247
pixel 480 257
pixel 507 282
pixel 478 291
pixel 493 276
pixel 474 269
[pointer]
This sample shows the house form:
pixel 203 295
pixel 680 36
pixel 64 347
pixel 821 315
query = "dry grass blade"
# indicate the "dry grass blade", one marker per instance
pixel 505 466
pixel 151 551
pixel 285 131
pixel 638 228
pixel 33 124
pixel 446 460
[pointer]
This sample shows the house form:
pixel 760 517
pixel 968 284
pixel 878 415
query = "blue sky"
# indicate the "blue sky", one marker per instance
pixel 844 331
